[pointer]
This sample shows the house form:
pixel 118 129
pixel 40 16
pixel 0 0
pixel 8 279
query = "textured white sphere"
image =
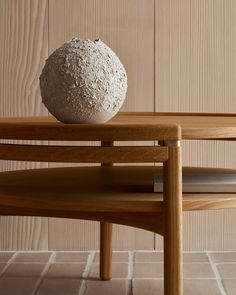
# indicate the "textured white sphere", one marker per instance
pixel 83 81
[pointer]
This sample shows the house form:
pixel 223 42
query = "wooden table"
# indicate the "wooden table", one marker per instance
pixel 114 194
pixel 193 125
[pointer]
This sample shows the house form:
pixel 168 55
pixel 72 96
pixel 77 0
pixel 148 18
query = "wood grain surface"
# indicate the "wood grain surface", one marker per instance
pixel 195 72
pixel 121 131
pixel 126 126
pixel 173 225
pixel 83 154
pixel 24 46
pixel 113 189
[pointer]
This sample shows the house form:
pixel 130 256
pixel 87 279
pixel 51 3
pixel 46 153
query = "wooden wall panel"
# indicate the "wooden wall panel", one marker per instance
pixel 191 43
pixel 128 28
pixel 23 39
pixel 195 45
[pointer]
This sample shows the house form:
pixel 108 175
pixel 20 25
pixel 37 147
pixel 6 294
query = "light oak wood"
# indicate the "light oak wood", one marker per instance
pixel 147 126
pixel 112 198
pixel 113 189
pixel 50 129
pixel 193 125
pixel 77 206
pixel 192 203
pixel 78 154
pixel 105 251
pixel 173 264
pixel 23 49
pixel 119 188
pixel 106 236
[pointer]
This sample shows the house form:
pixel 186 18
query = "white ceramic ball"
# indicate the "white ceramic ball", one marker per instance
pixel 83 81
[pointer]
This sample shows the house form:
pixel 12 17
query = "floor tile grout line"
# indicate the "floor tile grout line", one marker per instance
pixel 227 263
pixel 131 264
pixel 216 272
pixel 43 273
pixel 90 260
pixel 131 260
pixel 130 272
pixel 162 278
pixel 161 262
pixel 26 251
pixel 38 263
pixel 8 263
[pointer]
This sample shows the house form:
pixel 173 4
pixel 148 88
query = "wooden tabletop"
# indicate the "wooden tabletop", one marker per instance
pixel 193 125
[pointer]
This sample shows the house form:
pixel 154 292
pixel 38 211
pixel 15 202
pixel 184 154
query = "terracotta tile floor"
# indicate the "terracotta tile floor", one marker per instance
pixel 134 273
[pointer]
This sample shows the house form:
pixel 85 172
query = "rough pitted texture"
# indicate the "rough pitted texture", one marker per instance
pixel 83 81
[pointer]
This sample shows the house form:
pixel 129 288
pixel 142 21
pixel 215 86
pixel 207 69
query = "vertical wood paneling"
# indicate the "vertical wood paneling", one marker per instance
pixel 24 36
pixel 128 28
pixel 195 70
pixel 195 45
pixel 23 233
pixel 195 55
pixel 73 235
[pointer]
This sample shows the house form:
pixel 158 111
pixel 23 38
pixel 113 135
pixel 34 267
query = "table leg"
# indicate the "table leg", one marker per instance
pixel 105 250
pixel 173 267
pixel 106 238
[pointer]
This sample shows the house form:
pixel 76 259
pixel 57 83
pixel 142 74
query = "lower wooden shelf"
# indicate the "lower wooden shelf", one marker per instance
pixel 94 189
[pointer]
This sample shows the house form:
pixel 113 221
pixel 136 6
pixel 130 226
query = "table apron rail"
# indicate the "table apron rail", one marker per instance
pixel 100 132
pixel 83 154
